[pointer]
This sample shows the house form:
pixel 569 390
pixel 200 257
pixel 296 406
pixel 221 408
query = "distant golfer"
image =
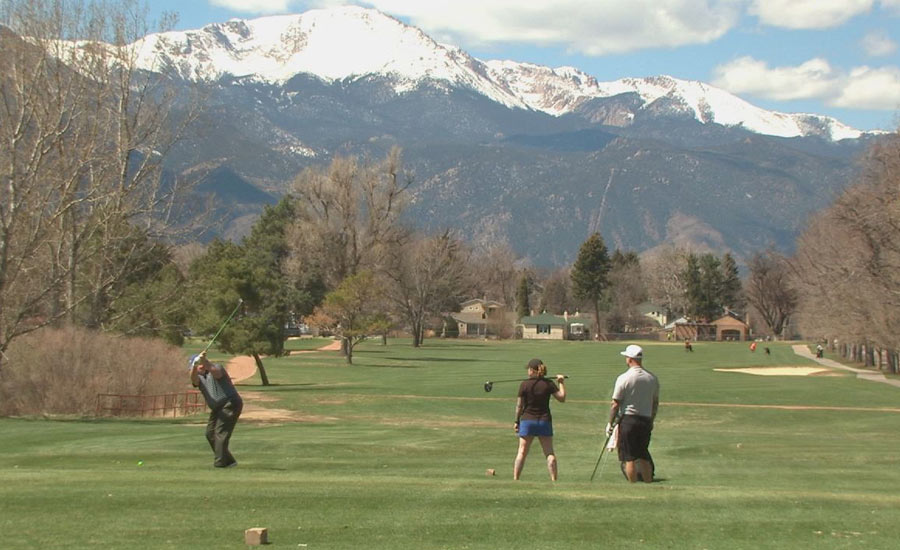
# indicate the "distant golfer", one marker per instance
pixel 225 406
pixel 533 415
pixel 636 396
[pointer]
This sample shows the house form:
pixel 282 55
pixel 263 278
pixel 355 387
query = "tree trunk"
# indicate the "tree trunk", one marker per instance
pixel 261 369
pixel 597 319
pixel 416 334
pixel 348 345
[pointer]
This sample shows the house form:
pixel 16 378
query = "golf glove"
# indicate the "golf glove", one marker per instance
pixel 609 429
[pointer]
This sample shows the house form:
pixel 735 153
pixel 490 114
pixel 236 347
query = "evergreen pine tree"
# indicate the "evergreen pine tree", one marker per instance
pixel 523 305
pixel 590 273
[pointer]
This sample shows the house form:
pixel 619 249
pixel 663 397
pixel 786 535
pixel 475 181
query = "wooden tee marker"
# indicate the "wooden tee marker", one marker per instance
pixel 256 536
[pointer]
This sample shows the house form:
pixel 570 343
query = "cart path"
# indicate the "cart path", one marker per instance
pixel 863 374
pixel 243 367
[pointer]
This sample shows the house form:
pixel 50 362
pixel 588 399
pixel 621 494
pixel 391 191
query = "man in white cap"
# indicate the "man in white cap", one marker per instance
pixel 636 397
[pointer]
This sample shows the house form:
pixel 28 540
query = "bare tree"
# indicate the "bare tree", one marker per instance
pixel 84 133
pixel 348 216
pixel 847 263
pixel 663 272
pixel 424 278
pixel 556 297
pixel 494 273
pixel 626 291
pixel 770 290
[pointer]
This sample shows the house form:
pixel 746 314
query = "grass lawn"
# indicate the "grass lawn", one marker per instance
pixel 306 343
pixel 391 452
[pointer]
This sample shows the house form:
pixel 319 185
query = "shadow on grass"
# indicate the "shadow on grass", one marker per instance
pixel 284 388
pixel 436 359
pixel 387 366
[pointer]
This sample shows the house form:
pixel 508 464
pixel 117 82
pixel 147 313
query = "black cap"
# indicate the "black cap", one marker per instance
pixel 535 363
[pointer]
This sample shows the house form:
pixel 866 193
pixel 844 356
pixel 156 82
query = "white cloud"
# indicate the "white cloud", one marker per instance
pixel 254 6
pixel 861 88
pixel 891 5
pixel 597 27
pixel 813 79
pixel 868 88
pixel 878 43
pixel 809 14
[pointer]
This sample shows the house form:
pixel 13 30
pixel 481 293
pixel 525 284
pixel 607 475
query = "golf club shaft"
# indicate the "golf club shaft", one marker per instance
pixel 209 345
pixel 520 379
pixel 602 450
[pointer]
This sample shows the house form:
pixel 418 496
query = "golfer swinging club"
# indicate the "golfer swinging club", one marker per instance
pixel 636 395
pixel 225 406
pixel 533 415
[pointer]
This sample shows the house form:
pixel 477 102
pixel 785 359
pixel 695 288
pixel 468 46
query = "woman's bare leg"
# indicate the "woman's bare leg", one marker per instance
pixel 524 444
pixel 547 445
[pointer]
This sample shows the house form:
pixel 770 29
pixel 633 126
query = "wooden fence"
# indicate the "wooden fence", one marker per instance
pixel 169 404
pixel 885 360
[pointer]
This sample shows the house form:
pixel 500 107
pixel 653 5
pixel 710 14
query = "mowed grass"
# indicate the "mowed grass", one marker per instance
pixel 391 452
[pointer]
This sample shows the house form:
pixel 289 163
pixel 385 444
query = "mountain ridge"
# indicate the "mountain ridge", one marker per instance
pixel 646 162
pixel 277 48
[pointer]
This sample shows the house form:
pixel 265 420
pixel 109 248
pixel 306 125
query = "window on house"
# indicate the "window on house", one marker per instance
pixel 543 329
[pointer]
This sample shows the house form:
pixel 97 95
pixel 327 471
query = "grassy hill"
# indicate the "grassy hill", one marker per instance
pixel 392 452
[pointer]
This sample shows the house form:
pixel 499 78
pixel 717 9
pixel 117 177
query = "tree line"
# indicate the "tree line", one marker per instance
pixel 90 226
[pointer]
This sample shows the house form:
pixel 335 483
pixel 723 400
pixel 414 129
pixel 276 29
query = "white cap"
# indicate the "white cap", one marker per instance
pixel 633 351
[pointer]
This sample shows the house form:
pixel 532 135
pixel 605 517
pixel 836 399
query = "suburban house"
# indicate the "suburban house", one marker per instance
pixel 483 318
pixel 727 327
pixel 653 312
pixel 547 326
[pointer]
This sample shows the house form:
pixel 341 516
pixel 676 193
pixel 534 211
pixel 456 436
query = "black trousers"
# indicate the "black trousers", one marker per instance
pixel 219 429
pixel 634 438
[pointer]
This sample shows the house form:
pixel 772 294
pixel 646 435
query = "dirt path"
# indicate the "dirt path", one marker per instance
pixel 864 374
pixel 333 346
pixel 243 367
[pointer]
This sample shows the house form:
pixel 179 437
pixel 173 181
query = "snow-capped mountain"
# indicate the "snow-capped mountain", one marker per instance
pixel 354 43
pixel 535 156
pixel 562 90
pixel 334 44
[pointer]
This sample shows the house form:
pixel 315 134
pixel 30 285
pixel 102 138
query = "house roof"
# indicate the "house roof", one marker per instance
pixel 469 318
pixel 543 319
pixel 485 303
pixel 729 320
pixel 649 307
pixel 679 321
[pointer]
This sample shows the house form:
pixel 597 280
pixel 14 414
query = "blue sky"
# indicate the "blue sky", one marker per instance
pixel 834 57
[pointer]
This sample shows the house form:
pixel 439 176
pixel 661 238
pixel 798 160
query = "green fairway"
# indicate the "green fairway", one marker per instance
pixel 391 452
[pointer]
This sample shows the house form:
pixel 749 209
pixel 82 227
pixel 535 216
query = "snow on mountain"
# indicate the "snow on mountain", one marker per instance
pixel 334 44
pixel 353 42
pixel 561 90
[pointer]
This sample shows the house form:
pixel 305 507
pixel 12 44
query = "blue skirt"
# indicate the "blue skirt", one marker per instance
pixel 535 427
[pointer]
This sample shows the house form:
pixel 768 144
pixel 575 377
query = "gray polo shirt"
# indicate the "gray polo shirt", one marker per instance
pixel 636 389
pixel 219 391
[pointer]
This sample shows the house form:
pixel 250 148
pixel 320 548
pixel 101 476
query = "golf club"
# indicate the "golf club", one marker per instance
pixel 602 450
pixel 489 385
pixel 240 301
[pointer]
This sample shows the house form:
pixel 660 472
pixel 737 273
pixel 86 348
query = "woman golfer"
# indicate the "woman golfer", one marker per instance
pixel 533 414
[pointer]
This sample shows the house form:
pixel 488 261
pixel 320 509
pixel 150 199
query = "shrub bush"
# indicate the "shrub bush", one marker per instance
pixel 61 371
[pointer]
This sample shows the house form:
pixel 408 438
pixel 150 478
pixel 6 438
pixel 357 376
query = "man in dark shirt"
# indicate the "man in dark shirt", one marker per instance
pixel 224 403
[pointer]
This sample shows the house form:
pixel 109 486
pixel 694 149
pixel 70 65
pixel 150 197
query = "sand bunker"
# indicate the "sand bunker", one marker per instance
pixel 781 371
